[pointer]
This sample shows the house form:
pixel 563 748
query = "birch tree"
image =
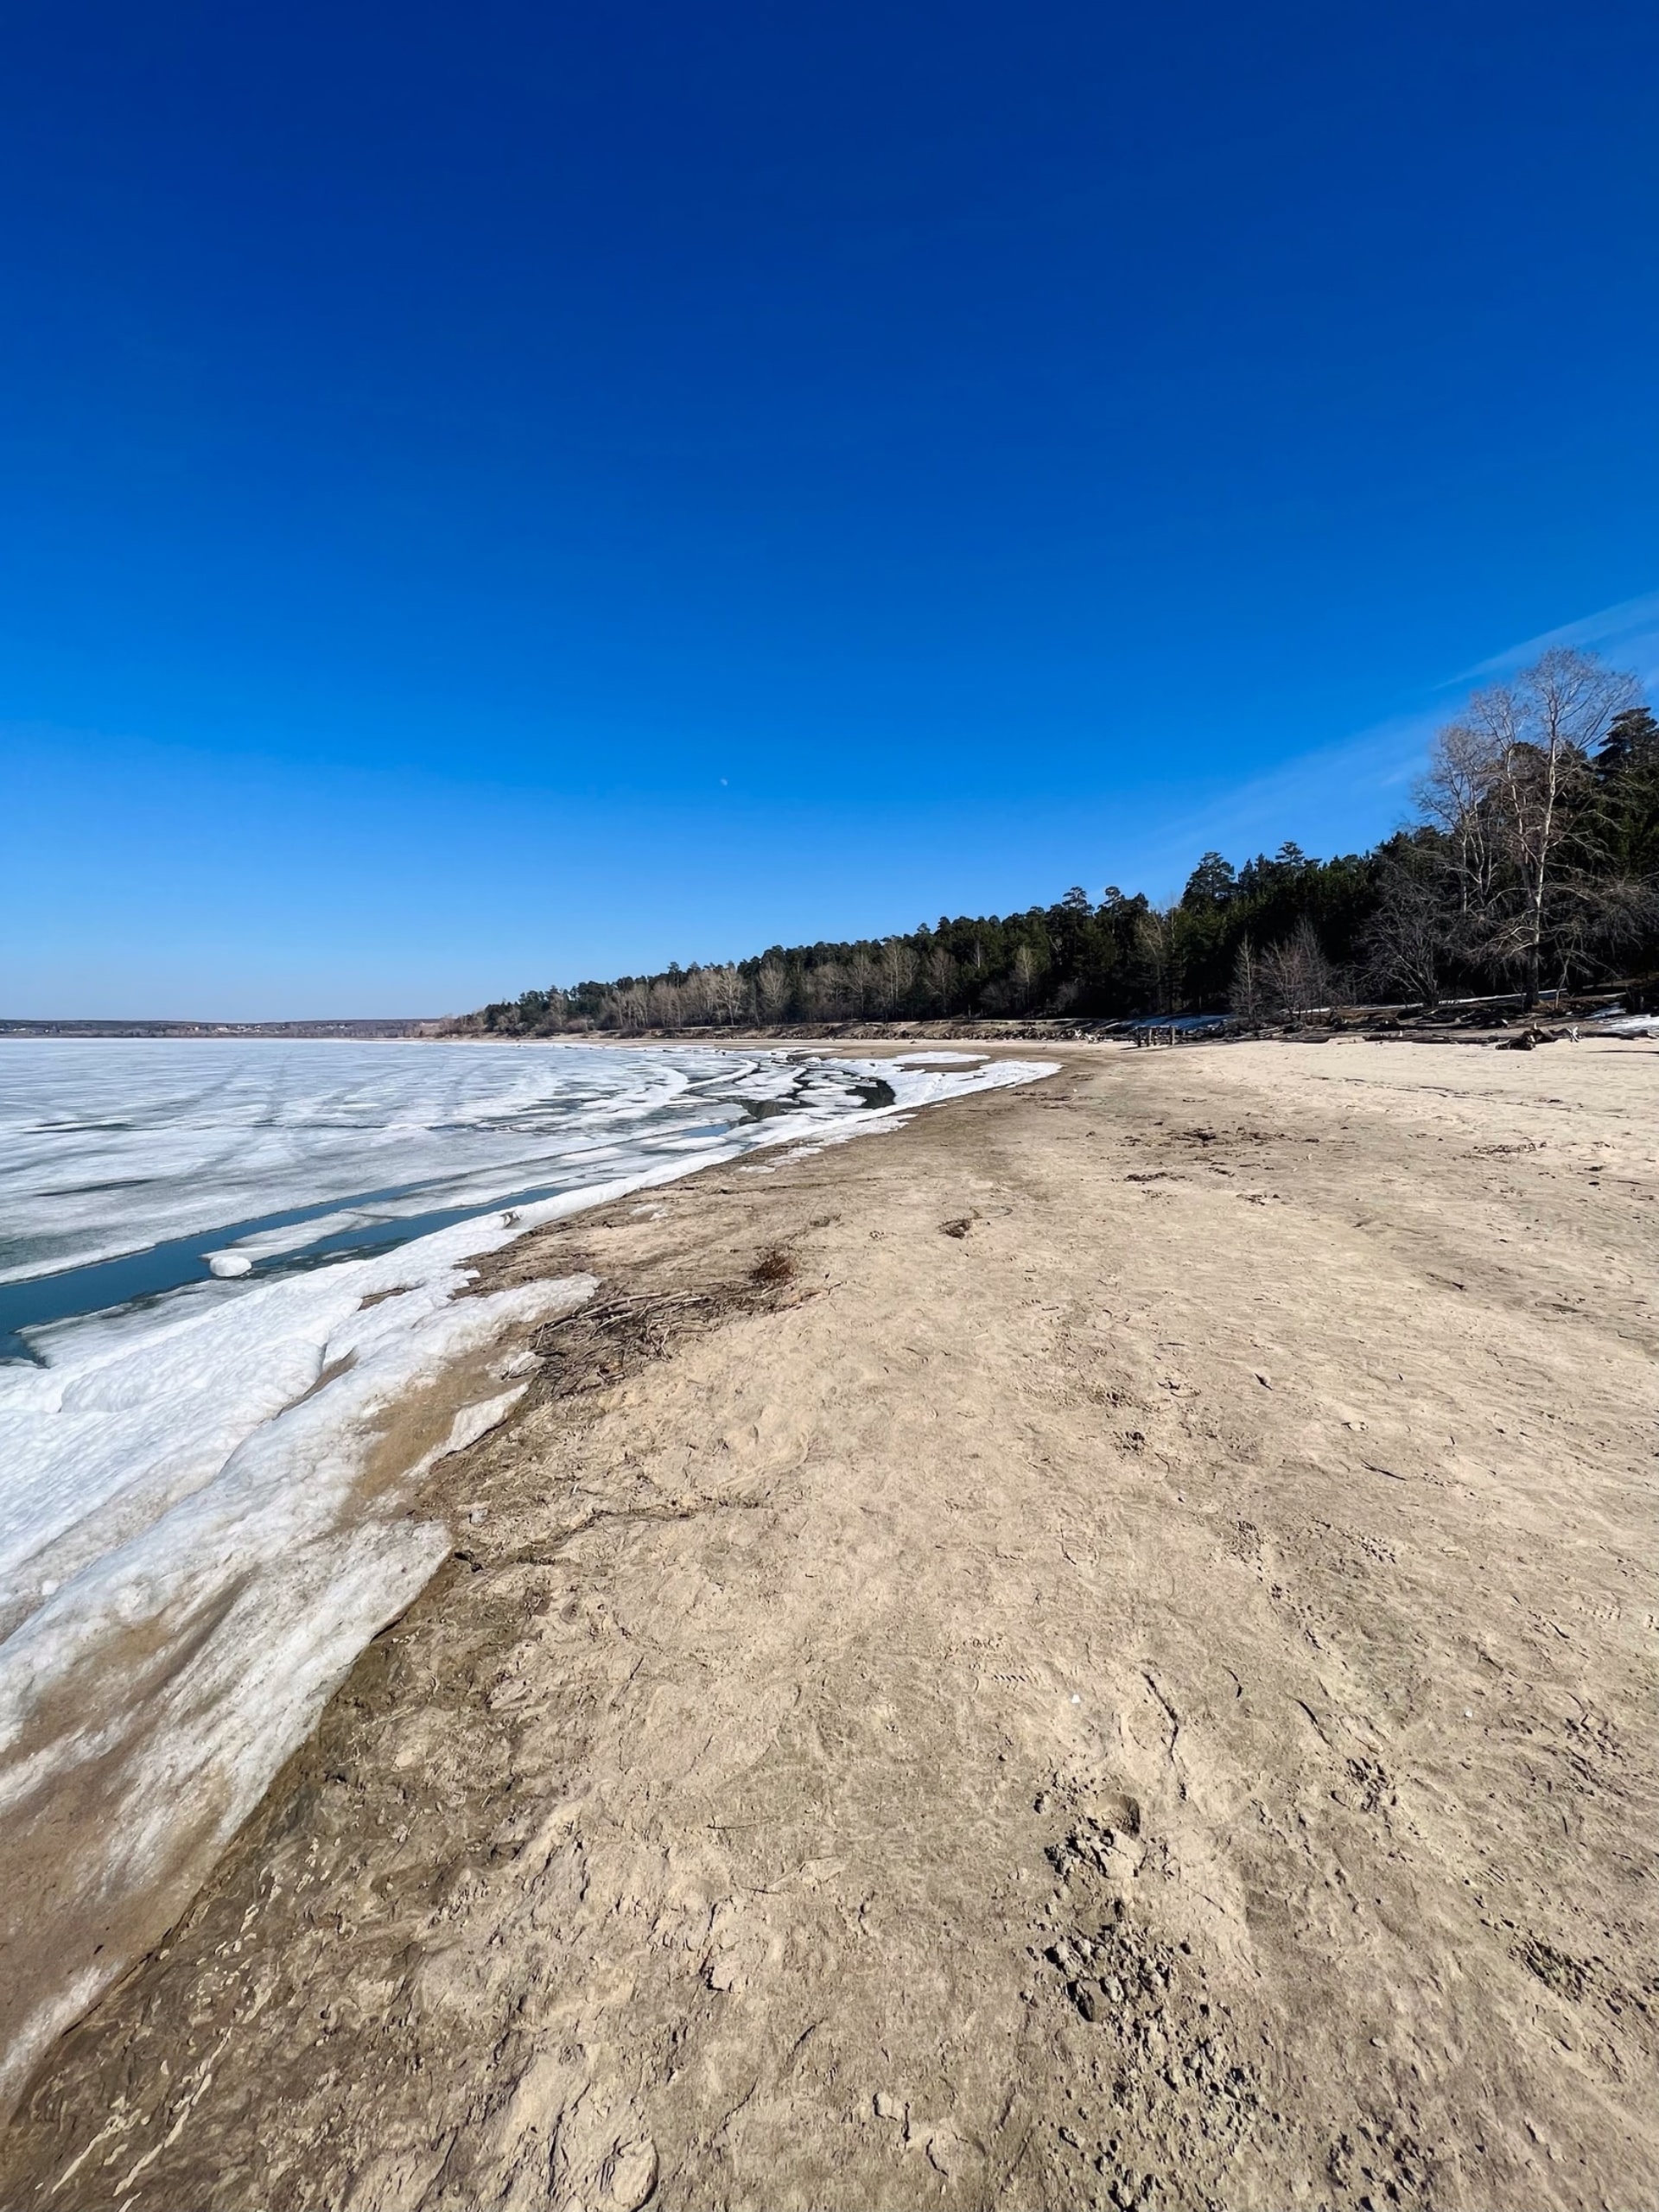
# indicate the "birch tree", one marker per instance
pixel 771 990
pixel 1522 779
pixel 1025 972
pixel 1245 997
pixel 940 975
pixel 898 971
pixel 1295 973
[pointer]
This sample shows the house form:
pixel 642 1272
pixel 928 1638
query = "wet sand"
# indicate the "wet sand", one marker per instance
pixel 1098 1648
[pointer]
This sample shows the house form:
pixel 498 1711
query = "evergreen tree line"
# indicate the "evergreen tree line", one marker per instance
pixel 1534 863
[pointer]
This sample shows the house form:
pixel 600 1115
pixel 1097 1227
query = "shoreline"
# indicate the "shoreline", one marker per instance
pixel 211 1515
pixel 1451 1020
pixel 938 1582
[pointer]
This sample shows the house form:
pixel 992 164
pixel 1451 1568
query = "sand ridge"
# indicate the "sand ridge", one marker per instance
pixel 1097 1649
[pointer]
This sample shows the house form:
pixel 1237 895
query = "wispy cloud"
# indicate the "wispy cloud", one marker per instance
pixel 1337 798
pixel 1350 793
pixel 1627 633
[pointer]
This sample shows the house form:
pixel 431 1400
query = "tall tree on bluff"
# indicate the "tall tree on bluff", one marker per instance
pixel 1509 785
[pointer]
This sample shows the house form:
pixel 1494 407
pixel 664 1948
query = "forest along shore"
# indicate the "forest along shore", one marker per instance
pixel 1100 1648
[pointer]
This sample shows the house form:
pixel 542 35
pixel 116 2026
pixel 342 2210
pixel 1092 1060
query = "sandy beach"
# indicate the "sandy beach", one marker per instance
pixel 1096 1648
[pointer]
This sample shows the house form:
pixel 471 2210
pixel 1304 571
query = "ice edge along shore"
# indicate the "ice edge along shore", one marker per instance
pixel 223 1526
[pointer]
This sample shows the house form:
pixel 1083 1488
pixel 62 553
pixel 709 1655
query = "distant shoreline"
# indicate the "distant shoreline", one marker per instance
pixel 371 1026
pixel 1479 1019
pixel 1483 1020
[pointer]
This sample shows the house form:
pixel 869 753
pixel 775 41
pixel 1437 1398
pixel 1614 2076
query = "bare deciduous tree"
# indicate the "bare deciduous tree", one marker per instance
pixel 1027 968
pixel 695 992
pixel 1412 930
pixel 897 973
pixel 1295 974
pixel 939 973
pixel 1453 796
pixel 771 990
pixel 728 993
pixel 1246 995
pixel 826 990
pixel 1509 785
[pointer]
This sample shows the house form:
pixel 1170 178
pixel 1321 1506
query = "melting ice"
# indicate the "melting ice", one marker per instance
pixel 204 1488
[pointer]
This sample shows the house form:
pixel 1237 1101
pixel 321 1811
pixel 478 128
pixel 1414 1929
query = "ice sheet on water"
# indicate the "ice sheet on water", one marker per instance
pixel 134 1408
pixel 107 1146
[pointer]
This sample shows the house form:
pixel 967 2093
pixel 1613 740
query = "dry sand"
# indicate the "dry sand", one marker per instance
pixel 1099 1648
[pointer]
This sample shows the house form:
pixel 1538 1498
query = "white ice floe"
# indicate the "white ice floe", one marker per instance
pixel 112 1146
pixel 205 1497
pixel 229 1532
pixel 240 1258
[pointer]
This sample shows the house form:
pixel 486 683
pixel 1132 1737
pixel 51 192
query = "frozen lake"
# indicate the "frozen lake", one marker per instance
pixel 145 1158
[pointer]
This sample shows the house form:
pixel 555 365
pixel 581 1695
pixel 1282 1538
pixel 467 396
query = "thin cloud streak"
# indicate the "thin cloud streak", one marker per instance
pixel 1627 631
pixel 1357 778
pixel 1343 796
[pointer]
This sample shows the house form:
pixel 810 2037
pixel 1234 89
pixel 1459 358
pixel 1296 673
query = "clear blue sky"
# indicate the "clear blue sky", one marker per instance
pixel 503 492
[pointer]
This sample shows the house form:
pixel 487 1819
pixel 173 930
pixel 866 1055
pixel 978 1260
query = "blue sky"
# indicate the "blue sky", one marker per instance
pixel 514 492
